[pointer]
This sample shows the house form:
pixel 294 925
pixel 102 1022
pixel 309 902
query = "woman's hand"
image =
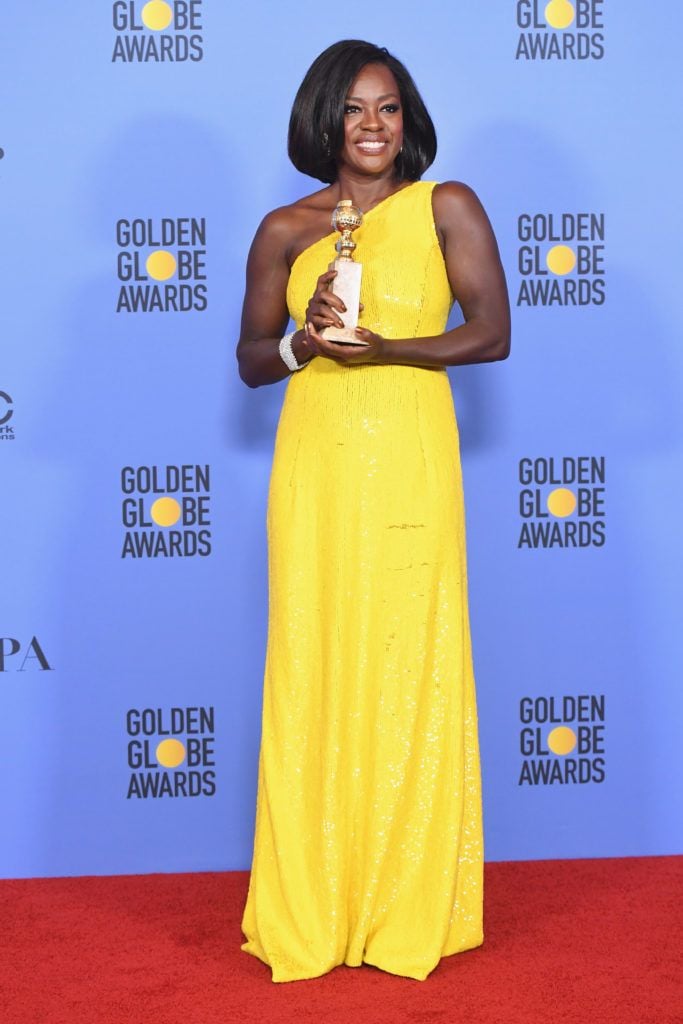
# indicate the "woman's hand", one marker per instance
pixel 323 311
pixel 369 349
pixel 324 308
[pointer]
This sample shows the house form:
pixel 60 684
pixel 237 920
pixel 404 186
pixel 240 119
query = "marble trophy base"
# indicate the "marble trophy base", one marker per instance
pixel 347 286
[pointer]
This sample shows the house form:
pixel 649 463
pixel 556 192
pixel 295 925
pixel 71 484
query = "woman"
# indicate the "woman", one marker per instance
pixel 368 843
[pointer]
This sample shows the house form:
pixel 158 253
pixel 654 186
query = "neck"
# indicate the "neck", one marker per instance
pixel 363 191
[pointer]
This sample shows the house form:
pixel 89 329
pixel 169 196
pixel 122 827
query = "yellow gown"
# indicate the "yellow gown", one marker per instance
pixel 368 842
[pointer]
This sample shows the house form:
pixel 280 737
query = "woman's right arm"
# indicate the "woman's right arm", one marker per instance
pixel 264 313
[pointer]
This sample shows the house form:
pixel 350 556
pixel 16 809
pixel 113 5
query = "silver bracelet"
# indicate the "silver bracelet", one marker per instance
pixel 288 357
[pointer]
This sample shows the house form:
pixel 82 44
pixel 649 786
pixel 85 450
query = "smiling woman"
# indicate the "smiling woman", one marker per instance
pixel 326 107
pixel 368 841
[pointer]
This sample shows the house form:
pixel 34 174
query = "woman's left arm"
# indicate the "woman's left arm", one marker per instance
pixel 477 281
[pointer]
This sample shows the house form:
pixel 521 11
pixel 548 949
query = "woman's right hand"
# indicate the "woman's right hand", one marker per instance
pixel 324 307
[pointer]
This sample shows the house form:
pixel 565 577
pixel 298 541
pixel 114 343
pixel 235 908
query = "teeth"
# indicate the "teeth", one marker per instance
pixel 370 145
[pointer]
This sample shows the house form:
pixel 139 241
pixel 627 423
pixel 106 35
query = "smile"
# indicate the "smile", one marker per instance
pixel 369 146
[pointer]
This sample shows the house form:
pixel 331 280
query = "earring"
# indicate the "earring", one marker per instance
pixel 326 144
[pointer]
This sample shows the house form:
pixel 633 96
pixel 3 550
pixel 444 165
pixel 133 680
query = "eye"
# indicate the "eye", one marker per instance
pixel 391 108
pixel 351 108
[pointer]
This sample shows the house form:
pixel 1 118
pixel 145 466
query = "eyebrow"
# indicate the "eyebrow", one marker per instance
pixel 386 96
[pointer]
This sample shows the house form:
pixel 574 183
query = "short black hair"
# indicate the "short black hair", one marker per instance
pixel 318 110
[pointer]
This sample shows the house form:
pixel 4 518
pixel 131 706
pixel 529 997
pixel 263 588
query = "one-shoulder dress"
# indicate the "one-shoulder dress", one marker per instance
pixel 368 843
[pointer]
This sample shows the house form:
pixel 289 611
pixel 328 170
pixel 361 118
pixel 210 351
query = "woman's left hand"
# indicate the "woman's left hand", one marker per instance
pixel 363 353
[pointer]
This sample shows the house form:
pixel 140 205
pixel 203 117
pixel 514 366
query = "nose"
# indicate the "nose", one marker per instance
pixel 371 120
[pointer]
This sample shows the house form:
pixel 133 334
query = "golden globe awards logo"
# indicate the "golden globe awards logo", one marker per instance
pixel 561 259
pixel 161 265
pixel 171 752
pixel 6 414
pixel 560 30
pixel 157 31
pixel 166 511
pixel 562 502
pixel 562 740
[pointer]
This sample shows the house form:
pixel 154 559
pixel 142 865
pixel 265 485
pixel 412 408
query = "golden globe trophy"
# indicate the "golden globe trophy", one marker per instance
pixel 346 218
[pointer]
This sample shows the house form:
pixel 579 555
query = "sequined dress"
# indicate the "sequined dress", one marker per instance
pixel 368 838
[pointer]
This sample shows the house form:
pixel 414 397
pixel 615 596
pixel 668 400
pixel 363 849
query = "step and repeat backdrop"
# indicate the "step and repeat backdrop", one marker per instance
pixel 141 144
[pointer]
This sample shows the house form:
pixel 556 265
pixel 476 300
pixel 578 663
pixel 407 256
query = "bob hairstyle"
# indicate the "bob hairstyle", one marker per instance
pixel 318 111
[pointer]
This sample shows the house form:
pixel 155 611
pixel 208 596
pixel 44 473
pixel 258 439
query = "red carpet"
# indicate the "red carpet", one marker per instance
pixel 572 941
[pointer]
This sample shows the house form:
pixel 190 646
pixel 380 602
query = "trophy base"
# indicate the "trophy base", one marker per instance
pixel 342 336
pixel 347 286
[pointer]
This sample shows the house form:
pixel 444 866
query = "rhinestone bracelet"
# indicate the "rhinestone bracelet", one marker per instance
pixel 288 357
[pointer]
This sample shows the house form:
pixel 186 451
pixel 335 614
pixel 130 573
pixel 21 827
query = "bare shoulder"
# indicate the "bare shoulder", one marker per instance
pixel 275 225
pixel 456 204
pixel 283 218
pixel 280 228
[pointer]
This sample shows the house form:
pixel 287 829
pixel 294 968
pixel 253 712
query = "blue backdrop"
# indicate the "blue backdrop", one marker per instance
pixel 142 146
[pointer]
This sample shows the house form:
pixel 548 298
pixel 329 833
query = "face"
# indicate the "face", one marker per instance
pixel 373 122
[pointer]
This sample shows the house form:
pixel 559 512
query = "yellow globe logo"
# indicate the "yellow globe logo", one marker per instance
pixel 561 502
pixel 170 753
pixel 559 13
pixel 161 265
pixel 157 15
pixel 561 740
pixel 165 511
pixel 561 260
